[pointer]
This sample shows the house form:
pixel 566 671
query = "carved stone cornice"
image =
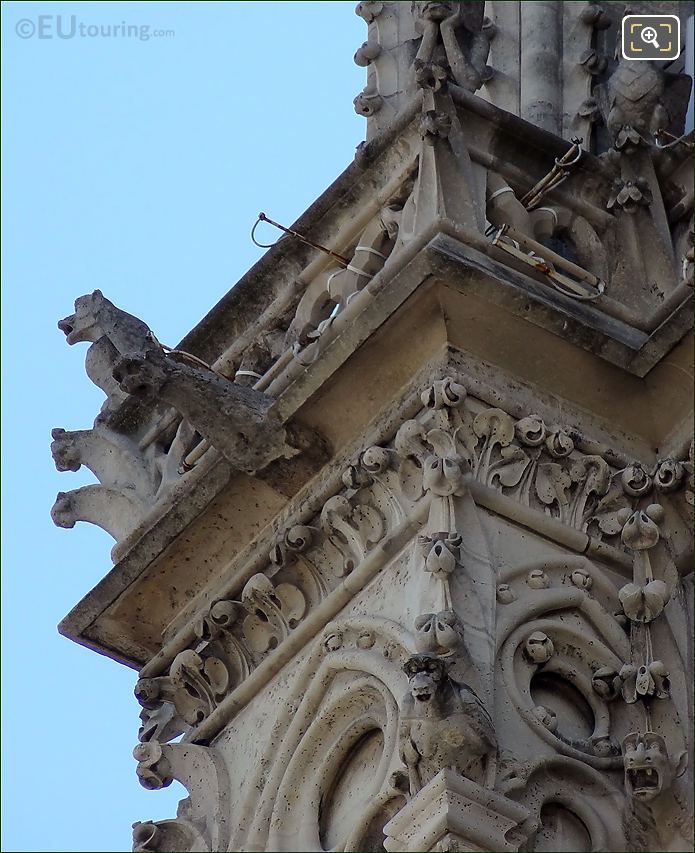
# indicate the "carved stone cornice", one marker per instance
pixel 520 468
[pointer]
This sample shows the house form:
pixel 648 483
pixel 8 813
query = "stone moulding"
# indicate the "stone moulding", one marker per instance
pixel 308 747
pixel 330 607
pixel 572 498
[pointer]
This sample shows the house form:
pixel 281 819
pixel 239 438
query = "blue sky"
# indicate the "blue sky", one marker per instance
pixel 136 166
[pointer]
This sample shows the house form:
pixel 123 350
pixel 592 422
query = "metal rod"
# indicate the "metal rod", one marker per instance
pixel 263 218
pixel 555 176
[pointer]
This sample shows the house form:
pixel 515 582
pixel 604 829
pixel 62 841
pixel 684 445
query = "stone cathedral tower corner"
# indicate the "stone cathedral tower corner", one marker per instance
pixel 403 550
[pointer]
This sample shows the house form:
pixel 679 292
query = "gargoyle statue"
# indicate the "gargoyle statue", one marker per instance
pixel 455 44
pixel 125 357
pixel 234 419
pixel 113 333
pixel 639 99
pixel 657 807
pixel 443 724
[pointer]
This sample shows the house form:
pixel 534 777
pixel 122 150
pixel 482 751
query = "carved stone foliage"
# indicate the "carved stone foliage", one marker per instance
pixel 572 651
pixel 562 628
pixel 438 633
pixel 453 437
pixel 536 464
pixel 203 821
pixel 578 661
pixel 436 44
pixel 650 762
pixel 233 637
pixel 630 194
pixel 351 530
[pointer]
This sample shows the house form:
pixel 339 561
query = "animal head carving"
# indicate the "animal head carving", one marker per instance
pixel 426 674
pixel 649 769
pixel 83 325
pixel 65 454
pixel 62 512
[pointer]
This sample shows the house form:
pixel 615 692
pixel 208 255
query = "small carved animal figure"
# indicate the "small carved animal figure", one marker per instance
pixel 639 99
pixel 658 812
pixel 649 770
pixel 443 724
pixel 113 333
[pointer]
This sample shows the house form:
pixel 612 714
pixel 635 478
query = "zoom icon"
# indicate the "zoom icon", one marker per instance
pixel 651 37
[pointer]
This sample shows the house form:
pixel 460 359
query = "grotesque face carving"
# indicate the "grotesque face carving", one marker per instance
pixel 425 672
pixel 643 603
pixel 647 766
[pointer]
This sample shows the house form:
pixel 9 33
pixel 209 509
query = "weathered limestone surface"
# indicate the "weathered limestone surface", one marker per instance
pixel 403 543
